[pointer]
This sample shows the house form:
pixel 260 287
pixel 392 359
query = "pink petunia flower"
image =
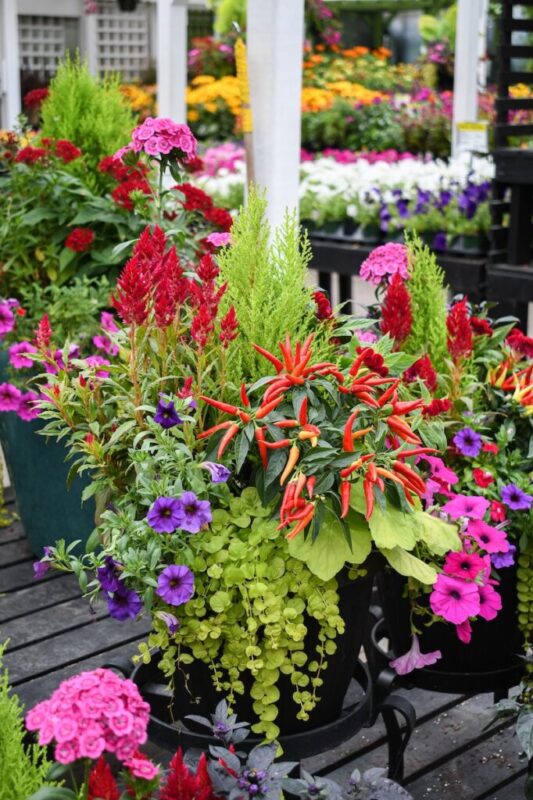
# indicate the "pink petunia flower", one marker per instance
pixel 490 602
pixel 440 471
pixel 17 358
pixel 107 321
pixel 414 659
pixel 464 565
pixel 454 599
pixel 9 397
pixel 493 540
pixel 464 631
pixel 218 239
pixel 28 407
pixel 464 505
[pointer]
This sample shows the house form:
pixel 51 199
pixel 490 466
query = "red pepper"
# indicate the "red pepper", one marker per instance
pixel 277 387
pixel 359 360
pixel 278 445
pixel 331 371
pixel 292 460
pixel 387 394
pixel 402 429
pixel 414 479
pixel 406 407
pixel 300 483
pixel 362 432
pixel 220 427
pixel 226 439
pixel 245 400
pixel 272 358
pixel 287 354
pixel 347 471
pixel 302 416
pixel 266 409
pixel 388 474
pixel 310 486
pixel 346 488
pixel 368 490
pixel 307 344
pixel 260 439
pixel 302 524
pixel 244 417
pixel 347 439
pixel 371 473
pixel 417 451
pixel 229 409
pixel 286 423
pixel 367 399
pixel 301 365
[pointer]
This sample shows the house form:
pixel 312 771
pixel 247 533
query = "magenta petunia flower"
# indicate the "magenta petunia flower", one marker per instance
pixel 414 659
pixel 440 471
pixel 17 358
pixel 492 540
pixel 468 442
pixel 193 513
pixel 96 362
pixel 490 602
pixel 28 407
pixel 464 631
pixel 7 319
pixel 165 515
pixel 464 565
pixel 9 397
pixel 104 343
pixel 218 239
pixel 454 599
pixel 175 584
pixel 107 321
pixel 515 499
pixel 464 505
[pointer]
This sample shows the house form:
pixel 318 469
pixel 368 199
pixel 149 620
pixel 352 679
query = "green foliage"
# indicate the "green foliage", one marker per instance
pixel 428 304
pixel 439 28
pixel 266 285
pixel 370 127
pixel 227 12
pixel 91 113
pixel 23 767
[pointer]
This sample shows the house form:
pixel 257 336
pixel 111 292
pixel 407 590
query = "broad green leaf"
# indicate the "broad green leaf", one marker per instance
pixel 438 535
pixel 327 555
pixel 54 793
pixel 391 528
pixel 66 257
pixel 412 567
pixel 220 601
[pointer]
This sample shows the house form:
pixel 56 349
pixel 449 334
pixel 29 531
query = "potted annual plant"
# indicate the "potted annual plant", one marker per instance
pixel 257 570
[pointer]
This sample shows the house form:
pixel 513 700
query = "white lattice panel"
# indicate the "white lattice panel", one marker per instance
pixel 122 41
pixel 42 42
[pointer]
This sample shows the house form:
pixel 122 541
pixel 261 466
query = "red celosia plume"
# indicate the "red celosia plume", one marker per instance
pixel 459 331
pixel 423 369
pixel 43 333
pixel 182 784
pixel 396 318
pixel 102 785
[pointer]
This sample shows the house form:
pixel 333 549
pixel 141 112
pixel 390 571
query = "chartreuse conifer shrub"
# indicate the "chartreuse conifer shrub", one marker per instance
pixel 428 304
pixel 91 113
pixel 266 283
pixel 23 768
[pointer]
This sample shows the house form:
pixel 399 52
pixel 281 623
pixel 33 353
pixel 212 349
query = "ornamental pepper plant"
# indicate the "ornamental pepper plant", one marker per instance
pixel 235 483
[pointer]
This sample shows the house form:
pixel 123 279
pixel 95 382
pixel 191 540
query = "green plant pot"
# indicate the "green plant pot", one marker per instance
pixel 38 473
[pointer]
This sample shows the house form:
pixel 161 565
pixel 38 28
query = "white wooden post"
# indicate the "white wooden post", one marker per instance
pixel 275 32
pixel 9 64
pixel 89 41
pixel 172 59
pixel 471 20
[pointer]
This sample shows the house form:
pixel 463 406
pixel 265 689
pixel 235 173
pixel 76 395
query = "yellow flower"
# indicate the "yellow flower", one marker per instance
pixel 193 116
pixel 202 80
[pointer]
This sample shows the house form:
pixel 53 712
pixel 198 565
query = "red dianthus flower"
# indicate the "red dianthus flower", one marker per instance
pixel 29 155
pixel 66 151
pixel 80 239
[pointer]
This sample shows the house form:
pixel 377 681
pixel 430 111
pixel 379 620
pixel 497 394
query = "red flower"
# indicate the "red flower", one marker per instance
pixel 182 784
pixel 490 447
pixel 112 166
pixel 220 218
pixel 80 239
pixel 30 155
pixel 374 361
pixel 480 326
pixel 497 511
pixel 436 407
pixel 195 164
pixel 229 327
pixel 323 306
pixel 459 331
pixel 396 318
pixel 102 785
pixel 195 199
pixel 521 343
pixel 121 194
pixel 66 151
pixel 423 369
pixel 43 333
pixel 34 98
pixel 482 477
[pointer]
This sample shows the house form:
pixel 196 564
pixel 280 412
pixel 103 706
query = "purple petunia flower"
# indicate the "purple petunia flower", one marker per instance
pixel 28 407
pixel 9 397
pixel 40 568
pixel 193 514
pixel 169 619
pixel 414 659
pixel 18 355
pixel 107 575
pixel 464 506
pixel 502 560
pixel 165 515
pixel 219 473
pixel 515 499
pixel 7 319
pixel 175 584
pixel 166 414
pixel 124 603
pixel 468 442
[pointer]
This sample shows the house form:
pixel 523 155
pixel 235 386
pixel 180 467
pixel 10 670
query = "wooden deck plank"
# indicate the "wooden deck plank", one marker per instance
pixel 19 576
pixel 48 622
pixel 40 595
pixel 69 648
pixel 511 791
pixel 13 532
pixel 14 552
pixel 37 689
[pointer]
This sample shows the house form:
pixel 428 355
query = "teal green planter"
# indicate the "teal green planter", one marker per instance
pixel 38 473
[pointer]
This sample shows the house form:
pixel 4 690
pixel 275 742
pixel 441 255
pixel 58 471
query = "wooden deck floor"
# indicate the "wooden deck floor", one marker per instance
pixel 53 634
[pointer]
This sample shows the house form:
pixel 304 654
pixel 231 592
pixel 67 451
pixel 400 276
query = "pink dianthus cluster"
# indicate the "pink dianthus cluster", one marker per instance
pixel 89 714
pixel 384 262
pixel 159 136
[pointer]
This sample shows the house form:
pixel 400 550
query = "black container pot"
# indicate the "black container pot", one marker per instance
pixel 470 244
pixel 368 234
pixel 194 692
pixel 127 5
pixel 495 646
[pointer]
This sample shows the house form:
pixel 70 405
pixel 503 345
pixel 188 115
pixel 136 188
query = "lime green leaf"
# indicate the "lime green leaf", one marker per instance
pixel 327 555
pixel 392 527
pixel 439 536
pixel 412 567
pixel 220 601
